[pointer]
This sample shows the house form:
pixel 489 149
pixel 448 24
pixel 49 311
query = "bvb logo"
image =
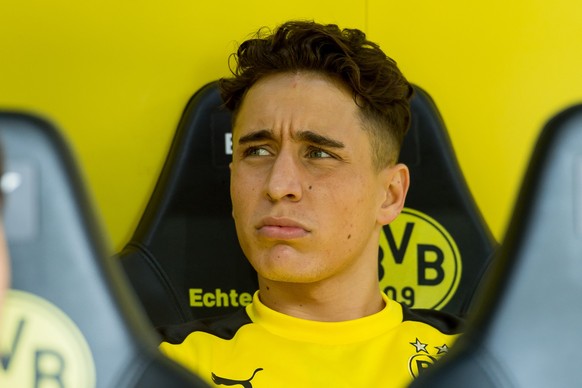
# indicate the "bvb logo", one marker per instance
pixel 419 262
pixel 419 363
pixel 41 346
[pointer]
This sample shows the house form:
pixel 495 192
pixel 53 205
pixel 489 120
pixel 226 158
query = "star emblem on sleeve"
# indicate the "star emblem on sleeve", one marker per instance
pixel 442 349
pixel 420 347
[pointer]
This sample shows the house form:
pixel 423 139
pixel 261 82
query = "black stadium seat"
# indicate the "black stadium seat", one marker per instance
pixel 185 262
pixel 526 330
pixel 70 319
pixel 451 230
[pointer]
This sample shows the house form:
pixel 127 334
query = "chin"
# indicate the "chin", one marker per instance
pixel 283 263
pixel 300 274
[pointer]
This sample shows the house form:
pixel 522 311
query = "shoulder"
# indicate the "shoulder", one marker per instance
pixel 444 322
pixel 224 327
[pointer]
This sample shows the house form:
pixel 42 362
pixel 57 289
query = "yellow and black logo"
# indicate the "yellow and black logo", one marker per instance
pixel 419 262
pixel 41 346
pixel 424 356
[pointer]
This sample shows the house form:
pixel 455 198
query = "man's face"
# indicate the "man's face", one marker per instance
pixel 308 203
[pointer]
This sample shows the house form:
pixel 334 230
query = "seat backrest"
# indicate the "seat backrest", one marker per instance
pixel 526 331
pixel 185 262
pixel 69 319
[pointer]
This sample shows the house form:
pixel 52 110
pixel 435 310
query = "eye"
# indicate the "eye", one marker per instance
pixel 256 151
pixel 318 153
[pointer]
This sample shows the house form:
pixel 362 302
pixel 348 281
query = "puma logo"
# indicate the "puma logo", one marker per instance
pixel 245 383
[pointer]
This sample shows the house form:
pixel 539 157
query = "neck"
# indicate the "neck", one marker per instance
pixel 326 300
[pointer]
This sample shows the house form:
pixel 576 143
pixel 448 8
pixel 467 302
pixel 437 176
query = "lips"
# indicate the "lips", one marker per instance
pixel 281 229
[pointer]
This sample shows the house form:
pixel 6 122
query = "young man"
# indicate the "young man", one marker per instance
pixel 319 117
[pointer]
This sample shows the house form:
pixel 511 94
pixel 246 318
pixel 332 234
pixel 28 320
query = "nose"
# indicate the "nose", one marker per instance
pixel 284 181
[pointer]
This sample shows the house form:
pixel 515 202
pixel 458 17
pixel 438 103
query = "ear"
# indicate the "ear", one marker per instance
pixel 396 182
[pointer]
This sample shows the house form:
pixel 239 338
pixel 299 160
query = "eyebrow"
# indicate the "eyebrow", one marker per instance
pixel 320 140
pixel 306 136
pixel 262 134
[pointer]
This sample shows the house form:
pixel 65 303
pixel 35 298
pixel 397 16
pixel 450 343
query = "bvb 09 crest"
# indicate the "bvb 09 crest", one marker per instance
pixel 41 346
pixel 419 262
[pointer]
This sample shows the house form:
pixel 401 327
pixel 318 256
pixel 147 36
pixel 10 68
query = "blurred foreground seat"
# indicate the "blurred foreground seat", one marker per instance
pixel 69 319
pixel 526 330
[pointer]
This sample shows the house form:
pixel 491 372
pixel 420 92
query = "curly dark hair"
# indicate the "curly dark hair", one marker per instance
pixel 380 90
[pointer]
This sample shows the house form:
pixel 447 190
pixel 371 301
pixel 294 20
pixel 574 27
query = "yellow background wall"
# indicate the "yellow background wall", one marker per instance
pixel 115 76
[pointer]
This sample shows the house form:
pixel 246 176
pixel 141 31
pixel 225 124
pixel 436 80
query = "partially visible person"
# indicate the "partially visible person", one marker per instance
pixel 320 114
pixel 4 267
pixel 4 259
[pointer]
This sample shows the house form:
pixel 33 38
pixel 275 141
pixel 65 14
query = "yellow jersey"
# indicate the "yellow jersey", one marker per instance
pixel 261 348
